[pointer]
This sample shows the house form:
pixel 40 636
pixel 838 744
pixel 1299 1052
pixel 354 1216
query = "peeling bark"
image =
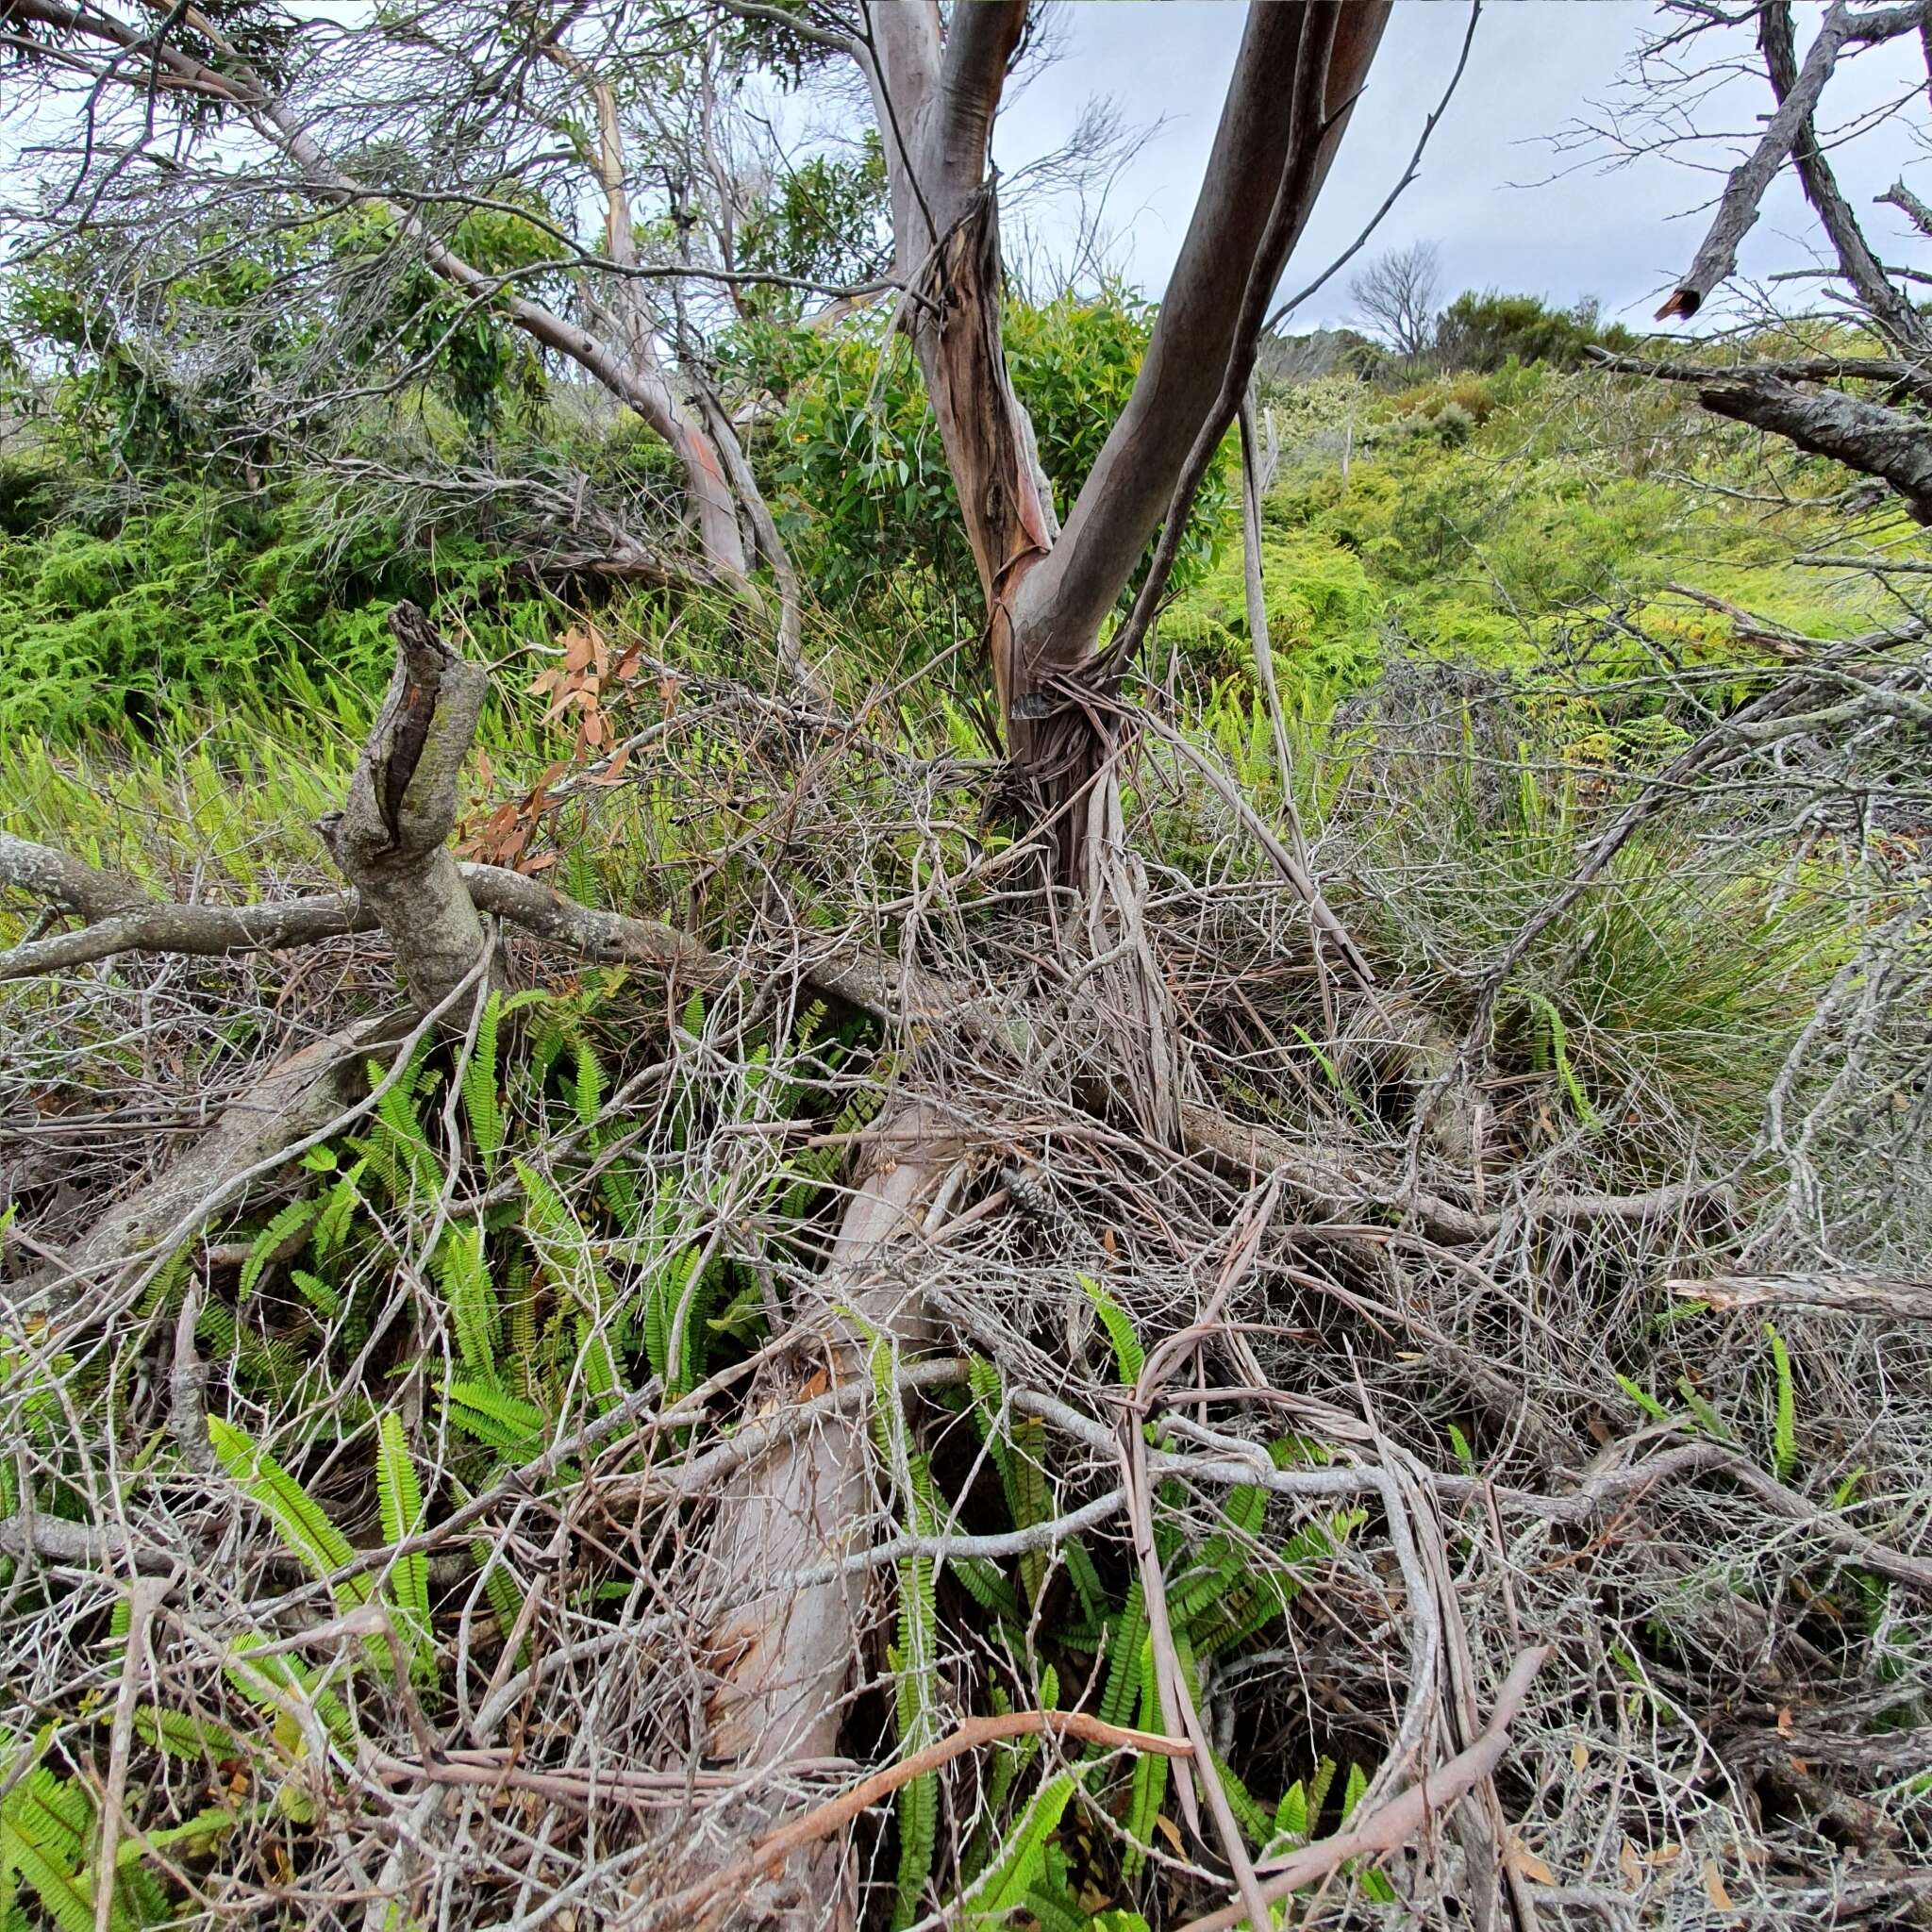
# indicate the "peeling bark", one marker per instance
pixel 391 838
pixel 783 1664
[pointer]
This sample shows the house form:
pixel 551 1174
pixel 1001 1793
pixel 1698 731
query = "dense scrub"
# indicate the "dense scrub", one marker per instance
pixel 359 1536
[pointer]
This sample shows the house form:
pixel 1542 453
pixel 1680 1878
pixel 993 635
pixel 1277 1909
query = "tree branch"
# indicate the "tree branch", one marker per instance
pixel 1263 174
pixel 1738 209
pixel 1888 308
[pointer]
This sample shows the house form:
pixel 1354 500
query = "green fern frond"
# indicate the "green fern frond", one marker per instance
pixel 337 1209
pixel 482 1107
pixel 469 1299
pixel 301 1522
pixel 1023 1858
pixel 505 1423
pixel 1129 1357
pixel 1784 1437
pixel 285 1226
pixel 400 1499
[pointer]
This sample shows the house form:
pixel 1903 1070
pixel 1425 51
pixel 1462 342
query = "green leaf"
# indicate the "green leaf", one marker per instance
pixel 1129 1357
pixel 289 1222
pixel 400 1500
pixel 1785 1417
pixel 301 1522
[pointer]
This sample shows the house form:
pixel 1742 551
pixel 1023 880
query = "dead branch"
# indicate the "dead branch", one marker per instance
pixel 191 931
pixel 391 837
pixel 777 1845
pixel 1886 1298
pixel 55 879
pixel 1400 1820
pixel 1717 255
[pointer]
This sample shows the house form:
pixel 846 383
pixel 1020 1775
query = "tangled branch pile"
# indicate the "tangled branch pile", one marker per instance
pixel 764 1435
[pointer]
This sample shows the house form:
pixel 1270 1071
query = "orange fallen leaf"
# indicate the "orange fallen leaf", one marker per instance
pixel 1524 1860
pixel 1714 1889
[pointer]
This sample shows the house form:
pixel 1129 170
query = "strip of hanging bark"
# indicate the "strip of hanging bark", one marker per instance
pixel 1842 1292
pixel 391 837
pixel 781 1663
pixel 1738 209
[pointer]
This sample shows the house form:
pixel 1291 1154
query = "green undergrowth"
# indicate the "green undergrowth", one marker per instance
pixel 1528 521
pixel 498 1258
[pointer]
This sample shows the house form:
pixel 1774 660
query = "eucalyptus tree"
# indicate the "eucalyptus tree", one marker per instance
pixel 412 125
pixel 410 185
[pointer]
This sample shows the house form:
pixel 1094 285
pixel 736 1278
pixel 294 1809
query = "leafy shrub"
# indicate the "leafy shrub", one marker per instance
pixel 1484 331
pixel 854 464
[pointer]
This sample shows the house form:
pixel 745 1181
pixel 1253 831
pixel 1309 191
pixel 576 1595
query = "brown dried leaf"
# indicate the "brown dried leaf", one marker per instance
pixel 1524 1860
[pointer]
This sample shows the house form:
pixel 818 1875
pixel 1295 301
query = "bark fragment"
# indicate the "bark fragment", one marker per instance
pixel 783 1663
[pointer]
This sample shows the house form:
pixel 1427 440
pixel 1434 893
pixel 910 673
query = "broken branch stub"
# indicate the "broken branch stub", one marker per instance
pixel 391 837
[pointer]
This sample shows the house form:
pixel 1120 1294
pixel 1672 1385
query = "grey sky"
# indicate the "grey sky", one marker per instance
pixel 1486 194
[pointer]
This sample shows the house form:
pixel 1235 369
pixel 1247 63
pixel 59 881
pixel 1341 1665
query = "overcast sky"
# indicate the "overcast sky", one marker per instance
pixel 1487 194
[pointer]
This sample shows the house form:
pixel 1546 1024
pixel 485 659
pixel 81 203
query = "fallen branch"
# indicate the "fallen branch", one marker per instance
pixel 191 931
pixel 1621 1487
pixel 1888 1297
pixel 57 879
pixel 821 1822
pixel 1402 1817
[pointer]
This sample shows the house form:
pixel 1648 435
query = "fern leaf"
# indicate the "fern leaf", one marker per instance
pixel 1129 1357
pixel 1785 1416
pixel 286 1224
pixel 481 1107
pixel 301 1522
pixel 1022 1860
pixel 400 1499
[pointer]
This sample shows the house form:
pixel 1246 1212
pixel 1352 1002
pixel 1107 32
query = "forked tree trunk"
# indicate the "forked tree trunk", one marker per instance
pixel 391 837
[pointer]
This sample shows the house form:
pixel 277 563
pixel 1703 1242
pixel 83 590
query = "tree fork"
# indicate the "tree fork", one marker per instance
pixel 391 837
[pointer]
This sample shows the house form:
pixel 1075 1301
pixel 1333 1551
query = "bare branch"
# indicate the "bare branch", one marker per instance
pixel 1738 211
